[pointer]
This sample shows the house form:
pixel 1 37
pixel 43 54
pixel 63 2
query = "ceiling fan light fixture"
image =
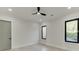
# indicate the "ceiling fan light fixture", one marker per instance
pixel 38 13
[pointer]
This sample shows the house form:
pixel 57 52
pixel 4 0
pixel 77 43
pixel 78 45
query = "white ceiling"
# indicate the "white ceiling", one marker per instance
pixel 25 13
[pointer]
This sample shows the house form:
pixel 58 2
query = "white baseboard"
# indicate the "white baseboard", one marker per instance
pixel 24 45
pixel 52 45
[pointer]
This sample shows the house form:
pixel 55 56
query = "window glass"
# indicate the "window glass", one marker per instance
pixel 43 32
pixel 72 31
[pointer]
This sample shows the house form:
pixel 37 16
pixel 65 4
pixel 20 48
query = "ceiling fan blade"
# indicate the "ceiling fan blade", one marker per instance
pixel 34 13
pixel 38 9
pixel 43 14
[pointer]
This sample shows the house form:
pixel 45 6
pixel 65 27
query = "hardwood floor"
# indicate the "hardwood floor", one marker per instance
pixel 38 47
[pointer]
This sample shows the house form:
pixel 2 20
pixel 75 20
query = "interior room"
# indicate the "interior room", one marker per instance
pixel 39 29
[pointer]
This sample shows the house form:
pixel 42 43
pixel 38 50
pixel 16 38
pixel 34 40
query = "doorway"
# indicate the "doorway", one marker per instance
pixel 5 35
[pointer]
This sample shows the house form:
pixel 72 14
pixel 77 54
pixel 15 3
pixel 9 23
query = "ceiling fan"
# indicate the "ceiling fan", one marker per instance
pixel 38 12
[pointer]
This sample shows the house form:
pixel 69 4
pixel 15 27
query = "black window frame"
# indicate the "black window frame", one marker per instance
pixel 77 30
pixel 42 32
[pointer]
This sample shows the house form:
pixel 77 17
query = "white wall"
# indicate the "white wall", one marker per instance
pixel 24 33
pixel 56 33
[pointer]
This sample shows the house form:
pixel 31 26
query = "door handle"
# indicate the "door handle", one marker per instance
pixel 9 38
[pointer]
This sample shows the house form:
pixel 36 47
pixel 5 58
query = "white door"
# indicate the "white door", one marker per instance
pixel 5 35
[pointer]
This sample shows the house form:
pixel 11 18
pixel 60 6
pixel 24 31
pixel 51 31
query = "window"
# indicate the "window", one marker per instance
pixel 72 31
pixel 43 32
